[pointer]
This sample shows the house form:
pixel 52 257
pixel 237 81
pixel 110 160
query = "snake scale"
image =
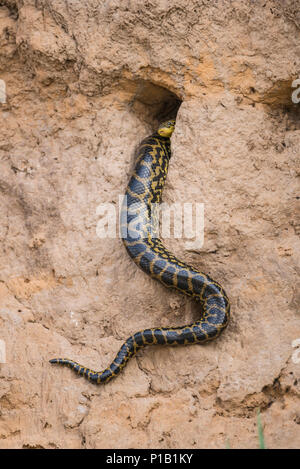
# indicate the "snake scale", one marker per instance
pixel 138 220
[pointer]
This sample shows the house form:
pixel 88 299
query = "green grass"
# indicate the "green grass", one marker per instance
pixel 260 430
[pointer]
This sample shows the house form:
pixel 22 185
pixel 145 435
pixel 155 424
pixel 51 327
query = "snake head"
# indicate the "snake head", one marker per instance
pixel 166 128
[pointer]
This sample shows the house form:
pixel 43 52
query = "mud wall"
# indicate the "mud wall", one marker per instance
pixel 85 82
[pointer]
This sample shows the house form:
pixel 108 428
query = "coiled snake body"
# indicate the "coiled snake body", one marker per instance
pixel 139 227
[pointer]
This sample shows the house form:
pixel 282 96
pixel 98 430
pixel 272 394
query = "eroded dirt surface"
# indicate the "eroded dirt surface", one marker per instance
pixel 86 81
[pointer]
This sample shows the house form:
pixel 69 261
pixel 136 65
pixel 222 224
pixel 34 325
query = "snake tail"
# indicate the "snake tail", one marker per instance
pixel 139 228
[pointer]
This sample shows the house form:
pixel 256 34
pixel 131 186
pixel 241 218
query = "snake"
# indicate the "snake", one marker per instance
pixel 139 232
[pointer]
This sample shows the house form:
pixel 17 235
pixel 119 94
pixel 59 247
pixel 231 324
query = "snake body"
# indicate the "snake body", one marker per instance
pixel 139 228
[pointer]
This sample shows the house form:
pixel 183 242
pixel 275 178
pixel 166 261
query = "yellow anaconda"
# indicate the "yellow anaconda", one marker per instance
pixel 147 251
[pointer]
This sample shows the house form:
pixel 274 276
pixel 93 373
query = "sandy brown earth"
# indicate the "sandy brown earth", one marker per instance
pixel 85 82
